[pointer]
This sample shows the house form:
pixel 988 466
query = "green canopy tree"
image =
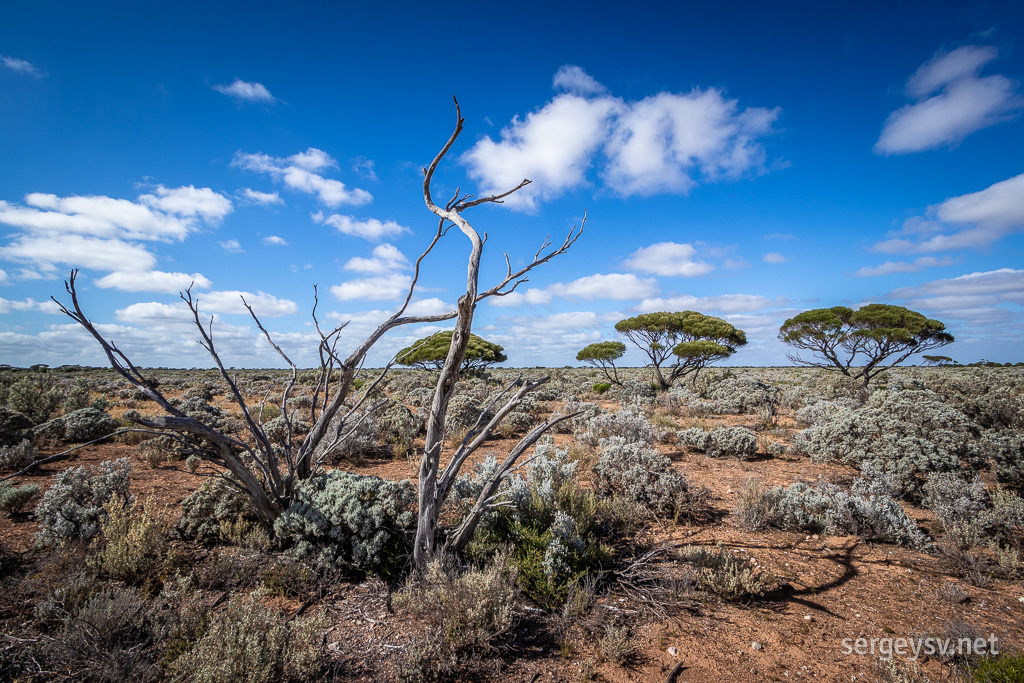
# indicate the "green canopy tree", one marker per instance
pixel 690 339
pixel 858 343
pixel 430 353
pixel 603 355
pixel 939 361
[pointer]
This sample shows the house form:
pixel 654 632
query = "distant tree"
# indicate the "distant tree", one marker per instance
pixel 839 337
pixel 603 355
pixel 694 340
pixel 940 361
pixel 430 352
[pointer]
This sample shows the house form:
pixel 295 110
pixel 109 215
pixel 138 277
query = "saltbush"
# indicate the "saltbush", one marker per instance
pixel 14 499
pixel 627 424
pixel 80 426
pixel 644 476
pixel 349 521
pixel 721 441
pixel 73 507
pixel 17 456
pixel 209 511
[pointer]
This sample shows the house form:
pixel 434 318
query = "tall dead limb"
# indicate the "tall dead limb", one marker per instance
pixel 434 486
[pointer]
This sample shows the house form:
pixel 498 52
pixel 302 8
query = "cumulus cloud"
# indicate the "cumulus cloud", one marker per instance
pixel 976 301
pixel 302 173
pixel 952 101
pixel 386 258
pixel 275 241
pixel 915 266
pixel 264 198
pixel 46 251
pixel 152 281
pixel 379 288
pixel 725 303
pixel 4 277
pixel 370 229
pixel 774 257
pixel 232 246
pixel 245 91
pixel 664 143
pixel 968 221
pixel 9 305
pixel 668 258
pixel 616 286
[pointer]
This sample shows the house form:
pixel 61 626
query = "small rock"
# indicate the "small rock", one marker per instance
pixel 755 646
pixel 808 617
pixel 673 651
pixel 815 537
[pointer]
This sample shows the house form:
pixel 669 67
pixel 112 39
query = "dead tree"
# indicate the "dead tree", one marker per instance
pixel 270 473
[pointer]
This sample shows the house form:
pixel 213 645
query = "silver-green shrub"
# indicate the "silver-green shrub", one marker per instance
pixel 80 426
pixel 17 456
pixel 642 475
pixel 739 394
pixel 721 441
pixel 627 424
pixel 349 521
pixel 908 433
pixel 210 509
pixel 72 508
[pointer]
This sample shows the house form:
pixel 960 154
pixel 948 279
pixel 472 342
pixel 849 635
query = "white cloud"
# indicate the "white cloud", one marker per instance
pixel 381 288
pixel 369 229
pixel 45 251
pixel 726 303
pixel 299 173
pixel 275 241
pixel 232 246
pixel 532 297
pixel 774 257
pixel 989 215
pixel 154 313
pixel 953 101
pixel 9 305
pixel 890 267
pixel 152 281
pixel 664 143
pixel 575 80
pixel 230 301
pixel 264 198
pixel 668 142
pixel 189 201
pixel 22 66
pixel 386 258
pixel 1001 282
pixel 431 306
pixel 553 146
pixel 668 258
pixel 617 286
pixel 4 277
pixel 245 91
pixel 976 300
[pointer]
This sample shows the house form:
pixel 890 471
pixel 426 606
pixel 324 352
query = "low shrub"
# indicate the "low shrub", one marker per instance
pixel 349 521
pixel 628 424
pixel 17 456
pixel 130 544
pixel 644 476
pixel 73 507
pixel 14 499
pixel 725 574
pixel 253 643
pixel 601 387
pixel 825 508
pixel 211 510
pixel 80 426
pixel 739 442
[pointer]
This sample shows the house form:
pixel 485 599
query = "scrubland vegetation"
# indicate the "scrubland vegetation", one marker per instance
pixel 739 525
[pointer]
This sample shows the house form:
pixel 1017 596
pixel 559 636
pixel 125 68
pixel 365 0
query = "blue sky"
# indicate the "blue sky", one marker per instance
pixel 748 160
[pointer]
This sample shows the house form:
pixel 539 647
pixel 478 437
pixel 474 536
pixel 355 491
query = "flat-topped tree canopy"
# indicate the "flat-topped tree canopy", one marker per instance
pixel 694 340
pixel 603 355
pixel 430 352
pixel 840 337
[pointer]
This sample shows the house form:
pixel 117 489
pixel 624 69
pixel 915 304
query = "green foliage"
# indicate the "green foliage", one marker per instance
pixel 601 387
pixel 14 427
pixel 73 508
pixel 603 355
pixel 431 351
pixel 131 542
pixel 251 643
pixel 1005 668
pixel 14 499
pixel 37 396
pixel 694 339
pixel 349 521
pixel 841 337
